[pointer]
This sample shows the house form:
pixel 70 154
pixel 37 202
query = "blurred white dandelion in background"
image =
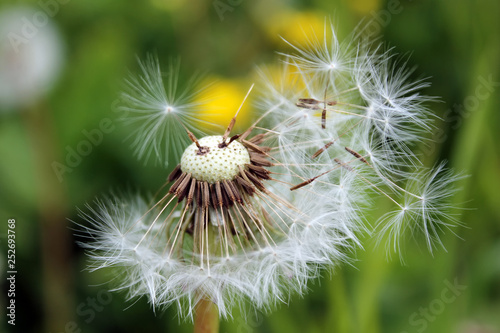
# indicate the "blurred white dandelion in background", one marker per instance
pixel 252 216
pixel 31 56
pixel 31 61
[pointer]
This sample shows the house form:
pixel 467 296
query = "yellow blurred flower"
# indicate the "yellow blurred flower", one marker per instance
pixel 221 101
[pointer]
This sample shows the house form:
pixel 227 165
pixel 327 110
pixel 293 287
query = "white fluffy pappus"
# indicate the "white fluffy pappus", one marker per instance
pixel 158 109
pixel 317 151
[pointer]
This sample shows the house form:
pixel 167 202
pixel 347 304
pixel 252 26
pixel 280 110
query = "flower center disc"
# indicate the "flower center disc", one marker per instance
pixel 214 164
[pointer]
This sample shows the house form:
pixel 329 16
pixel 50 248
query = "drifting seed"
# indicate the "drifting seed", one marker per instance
pixel 225 198
pixel 323 114
pixel 213 196
pixel 247 133
pixel 206 195
pixel 179 180
pixel 255 147
pixel 308 106
pixel 357 155
pixel 320 151
pixel 304 183
pixel 309 101
pixel 255 181
pixel 235 191
pixel 323 119
pixel 309 181
pixel 342 164
pixel 260 159
pixel 259 171
pixel 247 186
pixel 181 191
pixel 199 200
pixel 313 104
pixel 218 193
pixel 191 191
pixel 228 190
pixel 257 139
pixel 229 128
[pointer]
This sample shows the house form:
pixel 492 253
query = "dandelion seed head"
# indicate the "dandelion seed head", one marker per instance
pixel 254 215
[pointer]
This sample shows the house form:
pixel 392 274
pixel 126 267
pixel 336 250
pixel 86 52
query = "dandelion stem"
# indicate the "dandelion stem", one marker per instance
pixel 55 242
pixel 206 317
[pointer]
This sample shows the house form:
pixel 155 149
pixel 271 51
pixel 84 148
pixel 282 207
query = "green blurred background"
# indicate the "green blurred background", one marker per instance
pixel 456 43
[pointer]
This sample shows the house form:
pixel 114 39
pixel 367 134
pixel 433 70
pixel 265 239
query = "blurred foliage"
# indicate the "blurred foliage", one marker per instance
pixel 456 43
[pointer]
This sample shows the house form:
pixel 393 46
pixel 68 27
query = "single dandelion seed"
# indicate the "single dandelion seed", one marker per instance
pixel 158 108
